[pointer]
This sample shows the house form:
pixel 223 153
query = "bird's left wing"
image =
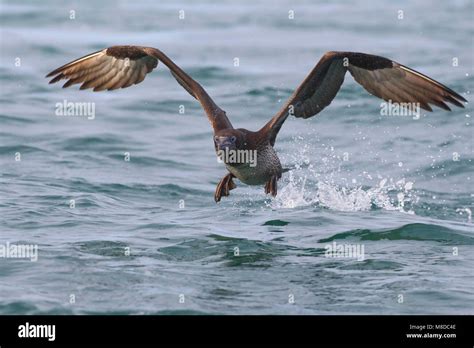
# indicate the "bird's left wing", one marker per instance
pixel 380 76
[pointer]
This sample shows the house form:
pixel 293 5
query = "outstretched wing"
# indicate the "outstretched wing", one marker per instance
pixel 380 76
pixel 123 66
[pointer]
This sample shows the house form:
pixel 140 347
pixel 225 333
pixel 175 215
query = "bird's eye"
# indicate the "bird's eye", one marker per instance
pixel 216 138
pixel 233 139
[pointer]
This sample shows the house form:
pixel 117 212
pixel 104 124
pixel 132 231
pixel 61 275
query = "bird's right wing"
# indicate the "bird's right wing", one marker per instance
pixel 122 66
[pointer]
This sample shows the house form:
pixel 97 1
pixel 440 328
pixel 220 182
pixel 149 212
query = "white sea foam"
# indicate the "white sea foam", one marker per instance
pixel 325 185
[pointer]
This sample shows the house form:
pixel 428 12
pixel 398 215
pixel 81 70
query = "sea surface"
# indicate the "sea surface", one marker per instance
pixel 120 205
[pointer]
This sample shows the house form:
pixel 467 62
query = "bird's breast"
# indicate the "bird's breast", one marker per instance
pixel 260 169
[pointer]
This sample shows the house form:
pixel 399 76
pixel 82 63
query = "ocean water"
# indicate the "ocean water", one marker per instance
pixel 145 236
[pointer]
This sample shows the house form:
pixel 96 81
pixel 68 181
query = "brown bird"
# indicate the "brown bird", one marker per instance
pixel 122 66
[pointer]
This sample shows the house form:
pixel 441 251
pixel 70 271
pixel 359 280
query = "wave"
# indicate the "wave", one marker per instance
pixel 99 143
pixel 269 91
pixel 209 72
pixel 415 231
pixel 12 149
pixel 7 119
pixel 449 167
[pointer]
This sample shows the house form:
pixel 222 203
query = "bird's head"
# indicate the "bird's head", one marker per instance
pixel 229 139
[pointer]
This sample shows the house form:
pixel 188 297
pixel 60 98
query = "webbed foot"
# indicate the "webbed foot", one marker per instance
pixel 224 186
pixel 271 185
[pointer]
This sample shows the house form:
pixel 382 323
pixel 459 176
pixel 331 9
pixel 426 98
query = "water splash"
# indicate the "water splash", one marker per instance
pixel 329 188
pixel 359 199
pixel 294 194
pixel 468 212
pixel 392 196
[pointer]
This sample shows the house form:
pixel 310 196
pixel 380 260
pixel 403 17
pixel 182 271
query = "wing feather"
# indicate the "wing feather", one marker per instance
pixel 123 66
pixel 380 76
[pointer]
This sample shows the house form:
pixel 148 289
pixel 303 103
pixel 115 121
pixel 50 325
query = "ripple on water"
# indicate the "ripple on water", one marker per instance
pixel 416 231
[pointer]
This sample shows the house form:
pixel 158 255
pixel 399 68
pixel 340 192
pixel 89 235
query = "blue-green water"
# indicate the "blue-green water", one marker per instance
pixel 399 187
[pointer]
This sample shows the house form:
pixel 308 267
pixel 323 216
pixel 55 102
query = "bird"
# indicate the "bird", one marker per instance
pixel 123 66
